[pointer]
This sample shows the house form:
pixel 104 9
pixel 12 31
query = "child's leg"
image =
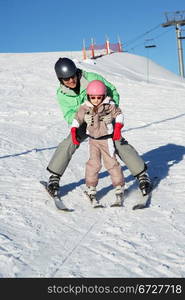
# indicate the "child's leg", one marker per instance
pixel 93 165
pixel 111 164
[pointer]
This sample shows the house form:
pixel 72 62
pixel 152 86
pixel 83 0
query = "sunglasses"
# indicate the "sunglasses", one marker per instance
pixel 68 78
pixel 96 97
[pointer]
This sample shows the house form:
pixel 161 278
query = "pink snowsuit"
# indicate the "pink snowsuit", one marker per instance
pixel 101 145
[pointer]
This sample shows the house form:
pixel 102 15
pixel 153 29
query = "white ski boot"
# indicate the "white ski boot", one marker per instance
pixel 119 193
pixel 91 194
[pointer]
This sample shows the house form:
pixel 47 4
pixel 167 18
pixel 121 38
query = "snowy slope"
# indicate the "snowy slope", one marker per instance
pixel 36 240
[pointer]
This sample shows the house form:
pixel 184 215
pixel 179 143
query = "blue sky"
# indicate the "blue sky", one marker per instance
pixel 58 25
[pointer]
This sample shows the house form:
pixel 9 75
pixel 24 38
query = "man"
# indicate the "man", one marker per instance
pixel 71 94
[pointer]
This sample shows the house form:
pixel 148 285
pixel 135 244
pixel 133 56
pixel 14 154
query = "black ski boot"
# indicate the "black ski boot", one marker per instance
pixel 53 184
pixel 144 183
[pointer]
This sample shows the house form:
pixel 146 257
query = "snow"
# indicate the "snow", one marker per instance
pixel 37 240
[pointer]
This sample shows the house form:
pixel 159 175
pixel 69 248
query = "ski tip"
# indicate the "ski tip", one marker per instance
pixel 66 209
pixel 99 206
pixel 116 205
pixel 61 206
pixel 138 206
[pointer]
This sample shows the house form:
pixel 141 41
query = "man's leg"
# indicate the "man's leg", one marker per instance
pixel 130 157
pixel 62 157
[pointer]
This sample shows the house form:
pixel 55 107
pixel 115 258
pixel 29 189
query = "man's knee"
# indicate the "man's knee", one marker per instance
pixel 122 146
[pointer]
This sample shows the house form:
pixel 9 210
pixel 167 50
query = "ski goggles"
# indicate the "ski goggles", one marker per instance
pixel 68 78
pixel 96 97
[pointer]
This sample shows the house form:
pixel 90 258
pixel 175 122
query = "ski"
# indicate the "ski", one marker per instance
pixel 93 200
pixel 144 201
pixel 57 199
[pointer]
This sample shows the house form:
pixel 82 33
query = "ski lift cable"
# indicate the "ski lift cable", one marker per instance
pixel 143 43
pixel 141 35
pixel 161 34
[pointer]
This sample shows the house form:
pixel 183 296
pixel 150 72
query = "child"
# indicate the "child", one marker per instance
pixel 101 137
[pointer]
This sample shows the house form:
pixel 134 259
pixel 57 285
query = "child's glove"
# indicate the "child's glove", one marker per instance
pixel 117 131
pixel 73 135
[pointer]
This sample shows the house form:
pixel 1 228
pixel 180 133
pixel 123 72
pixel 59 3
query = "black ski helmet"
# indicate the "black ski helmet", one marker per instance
pixel 65 68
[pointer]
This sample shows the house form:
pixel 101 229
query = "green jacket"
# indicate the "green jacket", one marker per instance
pixel 70 102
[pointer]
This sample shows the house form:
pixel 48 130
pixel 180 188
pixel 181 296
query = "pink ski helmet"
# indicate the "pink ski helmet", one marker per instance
pixel 96 87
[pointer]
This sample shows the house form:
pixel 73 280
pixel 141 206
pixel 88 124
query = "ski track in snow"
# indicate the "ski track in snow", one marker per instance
pixel 37 240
